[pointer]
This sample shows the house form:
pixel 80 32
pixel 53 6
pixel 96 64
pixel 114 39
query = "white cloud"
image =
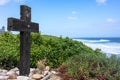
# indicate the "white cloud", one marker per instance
pixel 3 2
pixel 110 20
pixel 74 12
pixel 73 15
pixel 20 0
pixel 101 1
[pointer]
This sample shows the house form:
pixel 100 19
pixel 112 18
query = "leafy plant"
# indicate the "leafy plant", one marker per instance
pixel 93 66
pixel 55 49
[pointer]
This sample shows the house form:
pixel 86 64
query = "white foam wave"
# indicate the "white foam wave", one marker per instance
pixel 104 40
pixel 98 41
pixel 93 41
pixel 109 48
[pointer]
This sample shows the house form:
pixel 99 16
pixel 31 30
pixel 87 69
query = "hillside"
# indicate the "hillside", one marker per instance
pixel 76 59
pixel 55 49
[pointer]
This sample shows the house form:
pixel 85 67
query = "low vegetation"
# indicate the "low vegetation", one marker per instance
pixel 55 49
pixel 76 61
pixel 89 66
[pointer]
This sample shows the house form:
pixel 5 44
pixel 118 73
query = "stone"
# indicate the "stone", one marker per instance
pixel 3 74
pixel 54 72
pixel 17 72
pixel 31 74
pixel 14 69
pixel 23 78
pixel 47 76
pixel 45 73
pixel 32 69
pixel 12 76
pixel 39 71
pixel 37 76
pixel 4 71
pixel 10 72
pixel 4 77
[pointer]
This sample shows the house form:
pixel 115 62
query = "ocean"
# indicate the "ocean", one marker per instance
pixel 108 46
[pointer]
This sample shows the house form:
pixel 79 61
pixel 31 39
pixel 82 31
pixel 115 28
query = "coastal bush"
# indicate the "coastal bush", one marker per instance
pixel 9 50
pixel 55 49
pixel 93 66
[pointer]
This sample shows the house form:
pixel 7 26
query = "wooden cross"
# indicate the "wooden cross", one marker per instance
pixel 25 26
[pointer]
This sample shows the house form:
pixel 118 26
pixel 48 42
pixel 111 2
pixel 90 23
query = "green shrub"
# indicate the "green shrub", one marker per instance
pixel 55 49
pixel 9 50
pixel 93 66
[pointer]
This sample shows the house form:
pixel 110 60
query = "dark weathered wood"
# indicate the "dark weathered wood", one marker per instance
pixel 24 53
pixel 25 13
pixel 25 26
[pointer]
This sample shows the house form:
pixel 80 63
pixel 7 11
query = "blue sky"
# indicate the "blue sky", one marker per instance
pixel 72 18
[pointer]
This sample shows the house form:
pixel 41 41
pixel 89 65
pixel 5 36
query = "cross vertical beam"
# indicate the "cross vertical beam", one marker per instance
pixel 25 42
pixel 24 53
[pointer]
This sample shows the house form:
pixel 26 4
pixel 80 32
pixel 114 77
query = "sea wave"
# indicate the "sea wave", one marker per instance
pixel 93 41
pixel 109 49
pixel 105 45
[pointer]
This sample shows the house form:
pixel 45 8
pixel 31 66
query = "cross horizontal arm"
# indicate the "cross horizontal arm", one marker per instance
pixel 19 25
